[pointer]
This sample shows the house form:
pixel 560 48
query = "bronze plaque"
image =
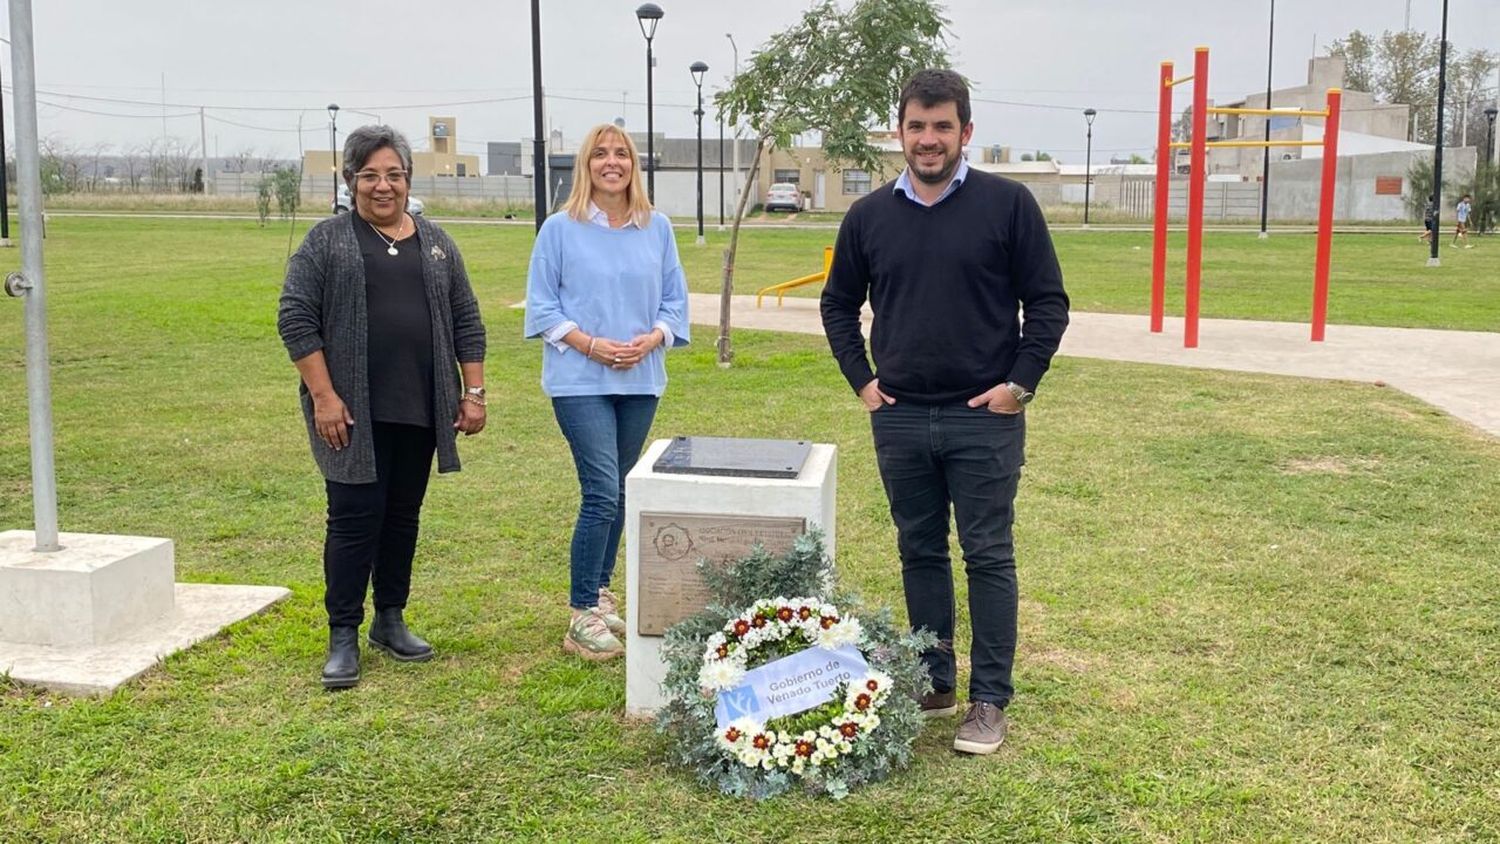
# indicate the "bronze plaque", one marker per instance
pixel 1388 185
pixel 671 544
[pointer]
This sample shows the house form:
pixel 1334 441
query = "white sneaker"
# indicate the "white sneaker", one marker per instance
pixel 609 609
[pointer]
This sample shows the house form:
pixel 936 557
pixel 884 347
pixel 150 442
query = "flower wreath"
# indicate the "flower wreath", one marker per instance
pixel 861 735
pixel 765 625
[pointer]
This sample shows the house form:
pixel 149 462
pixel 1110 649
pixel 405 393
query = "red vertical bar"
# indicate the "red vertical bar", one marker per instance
pixel 1195 197
pixel 1163 185
pixel 1325 215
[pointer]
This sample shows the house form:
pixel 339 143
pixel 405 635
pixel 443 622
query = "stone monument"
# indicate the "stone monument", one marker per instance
pixel 692 498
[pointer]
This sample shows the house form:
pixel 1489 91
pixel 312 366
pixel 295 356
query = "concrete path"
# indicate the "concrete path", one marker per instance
pixel 1458 371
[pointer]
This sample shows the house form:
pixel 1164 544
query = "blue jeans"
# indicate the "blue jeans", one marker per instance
pixel 933 458
pixel 606 434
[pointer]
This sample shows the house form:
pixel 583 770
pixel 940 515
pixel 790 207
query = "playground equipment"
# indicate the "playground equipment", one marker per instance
pixel 1197 177
pixel 780 289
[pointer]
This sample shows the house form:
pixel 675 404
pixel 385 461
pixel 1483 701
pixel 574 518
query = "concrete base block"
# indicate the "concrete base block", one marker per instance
pixel 201 610
pixel 97 588
pixel 810 496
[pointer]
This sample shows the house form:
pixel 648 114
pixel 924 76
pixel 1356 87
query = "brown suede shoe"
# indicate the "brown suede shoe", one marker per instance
pixel 982 730
pixel 939 704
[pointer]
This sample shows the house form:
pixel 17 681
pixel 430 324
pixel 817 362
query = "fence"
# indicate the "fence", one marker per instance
pixel 506 190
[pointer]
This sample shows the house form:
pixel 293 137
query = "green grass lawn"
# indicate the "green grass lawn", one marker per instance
pixel 1253 608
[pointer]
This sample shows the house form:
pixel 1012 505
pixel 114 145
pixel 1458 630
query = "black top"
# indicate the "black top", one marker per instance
pixel 400 329
pixel 946 284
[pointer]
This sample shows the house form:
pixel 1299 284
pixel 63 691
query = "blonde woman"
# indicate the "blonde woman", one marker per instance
pixel 606 293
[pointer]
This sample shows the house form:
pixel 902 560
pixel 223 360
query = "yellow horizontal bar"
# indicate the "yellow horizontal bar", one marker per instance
pixel 781 288
pixel 1176 82
pixel 1269 112
pixel 1187 145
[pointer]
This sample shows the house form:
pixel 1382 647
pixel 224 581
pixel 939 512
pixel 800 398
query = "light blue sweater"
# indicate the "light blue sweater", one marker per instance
pixel 615 284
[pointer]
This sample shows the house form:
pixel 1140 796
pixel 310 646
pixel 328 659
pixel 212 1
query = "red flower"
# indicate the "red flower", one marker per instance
pixel 723 651
pixel 760 741
pixel 829 621
pixel 849 729
pixel 732 735
pixel 804 613
pixel 862 702
pixel 741 627
pixel 758 622
pixel 785 613
pixel 804 749
pixel 872 685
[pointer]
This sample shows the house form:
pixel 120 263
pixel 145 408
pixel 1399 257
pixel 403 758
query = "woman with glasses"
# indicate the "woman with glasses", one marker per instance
pixel 607 294
pixel 379 318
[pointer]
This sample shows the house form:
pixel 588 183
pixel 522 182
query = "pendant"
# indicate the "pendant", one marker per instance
pixel 391 251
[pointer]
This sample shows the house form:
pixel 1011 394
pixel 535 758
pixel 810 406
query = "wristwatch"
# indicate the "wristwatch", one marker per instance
pixel 1023 395
pixel 474 391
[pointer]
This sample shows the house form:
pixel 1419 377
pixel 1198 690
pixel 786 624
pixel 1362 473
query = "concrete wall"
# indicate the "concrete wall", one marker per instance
pixel 677 194
pixel 1295 184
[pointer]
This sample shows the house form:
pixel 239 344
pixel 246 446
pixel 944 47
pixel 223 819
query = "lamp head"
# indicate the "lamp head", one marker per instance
pixel 648 15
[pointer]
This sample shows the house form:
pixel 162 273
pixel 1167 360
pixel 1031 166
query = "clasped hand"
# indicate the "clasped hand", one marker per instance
pixel 622 356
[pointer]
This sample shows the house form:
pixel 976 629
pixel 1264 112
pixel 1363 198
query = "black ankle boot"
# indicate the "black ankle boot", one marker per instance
pixel 341 671
pixel 389 634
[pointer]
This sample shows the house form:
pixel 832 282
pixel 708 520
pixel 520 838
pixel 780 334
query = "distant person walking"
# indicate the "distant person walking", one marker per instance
pixel 1461 229
pixel 378 316
pixel 607 294
pixel 1429 219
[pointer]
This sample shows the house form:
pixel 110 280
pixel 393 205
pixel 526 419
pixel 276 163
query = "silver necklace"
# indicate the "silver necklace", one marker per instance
pixel 390 242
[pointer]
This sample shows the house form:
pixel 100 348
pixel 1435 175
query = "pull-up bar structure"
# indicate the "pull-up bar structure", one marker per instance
pixel 1197 177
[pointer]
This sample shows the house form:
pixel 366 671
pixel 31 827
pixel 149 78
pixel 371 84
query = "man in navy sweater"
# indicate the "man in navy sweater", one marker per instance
pixel 947 258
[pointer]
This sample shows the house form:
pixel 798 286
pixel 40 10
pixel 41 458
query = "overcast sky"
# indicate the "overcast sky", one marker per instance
pixel 287 59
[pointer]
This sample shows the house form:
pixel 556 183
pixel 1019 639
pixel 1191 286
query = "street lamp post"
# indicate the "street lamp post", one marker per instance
pixel 538 130
pixel 1088 163
pixel 1489 144
pixel 1489 156
pixel 735 184
pixel 1437 156
pixel 1265 156
pixel 333 152
pixel 698 69
pixel 721 167
pixel 648 15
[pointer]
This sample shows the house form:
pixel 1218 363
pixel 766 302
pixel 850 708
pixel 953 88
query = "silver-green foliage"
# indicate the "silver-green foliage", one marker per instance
pixel 688 717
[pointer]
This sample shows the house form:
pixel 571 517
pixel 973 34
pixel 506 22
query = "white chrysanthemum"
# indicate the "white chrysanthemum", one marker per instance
pixel 720 674
pixel 846 632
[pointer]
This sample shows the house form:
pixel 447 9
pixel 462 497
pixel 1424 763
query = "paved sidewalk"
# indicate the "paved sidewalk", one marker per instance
pixel 1458 371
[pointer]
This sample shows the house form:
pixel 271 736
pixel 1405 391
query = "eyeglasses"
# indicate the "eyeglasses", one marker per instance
pixel 370 178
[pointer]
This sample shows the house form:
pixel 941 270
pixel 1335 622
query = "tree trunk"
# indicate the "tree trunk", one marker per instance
pixel 726 289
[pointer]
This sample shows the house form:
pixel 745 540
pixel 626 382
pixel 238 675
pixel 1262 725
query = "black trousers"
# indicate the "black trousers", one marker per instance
pixel 941 459
pixel 372 528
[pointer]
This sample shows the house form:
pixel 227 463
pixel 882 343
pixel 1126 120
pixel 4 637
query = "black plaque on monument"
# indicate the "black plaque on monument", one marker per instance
pixel 733 457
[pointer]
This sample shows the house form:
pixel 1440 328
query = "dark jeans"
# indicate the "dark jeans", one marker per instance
pixel 933 457
pixel 372 528
pixel 606 434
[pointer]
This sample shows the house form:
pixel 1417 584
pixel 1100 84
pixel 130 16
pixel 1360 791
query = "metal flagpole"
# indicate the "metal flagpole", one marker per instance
pixel 30 283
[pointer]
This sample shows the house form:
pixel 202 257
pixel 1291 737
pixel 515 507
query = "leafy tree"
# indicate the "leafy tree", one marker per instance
pixel 1402 67
pixel 288 187
pixel 837 72
pixel 1358 52
pixel 1419 177
pixel 263 189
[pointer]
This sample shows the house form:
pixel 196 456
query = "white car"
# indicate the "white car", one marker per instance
pixel 345 202
pixel 783 196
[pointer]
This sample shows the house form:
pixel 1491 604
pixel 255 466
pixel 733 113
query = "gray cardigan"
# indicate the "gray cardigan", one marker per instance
pixel 323 307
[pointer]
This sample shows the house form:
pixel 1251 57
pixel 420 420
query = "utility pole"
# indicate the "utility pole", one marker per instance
pixel 4 183
pixel 203 147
